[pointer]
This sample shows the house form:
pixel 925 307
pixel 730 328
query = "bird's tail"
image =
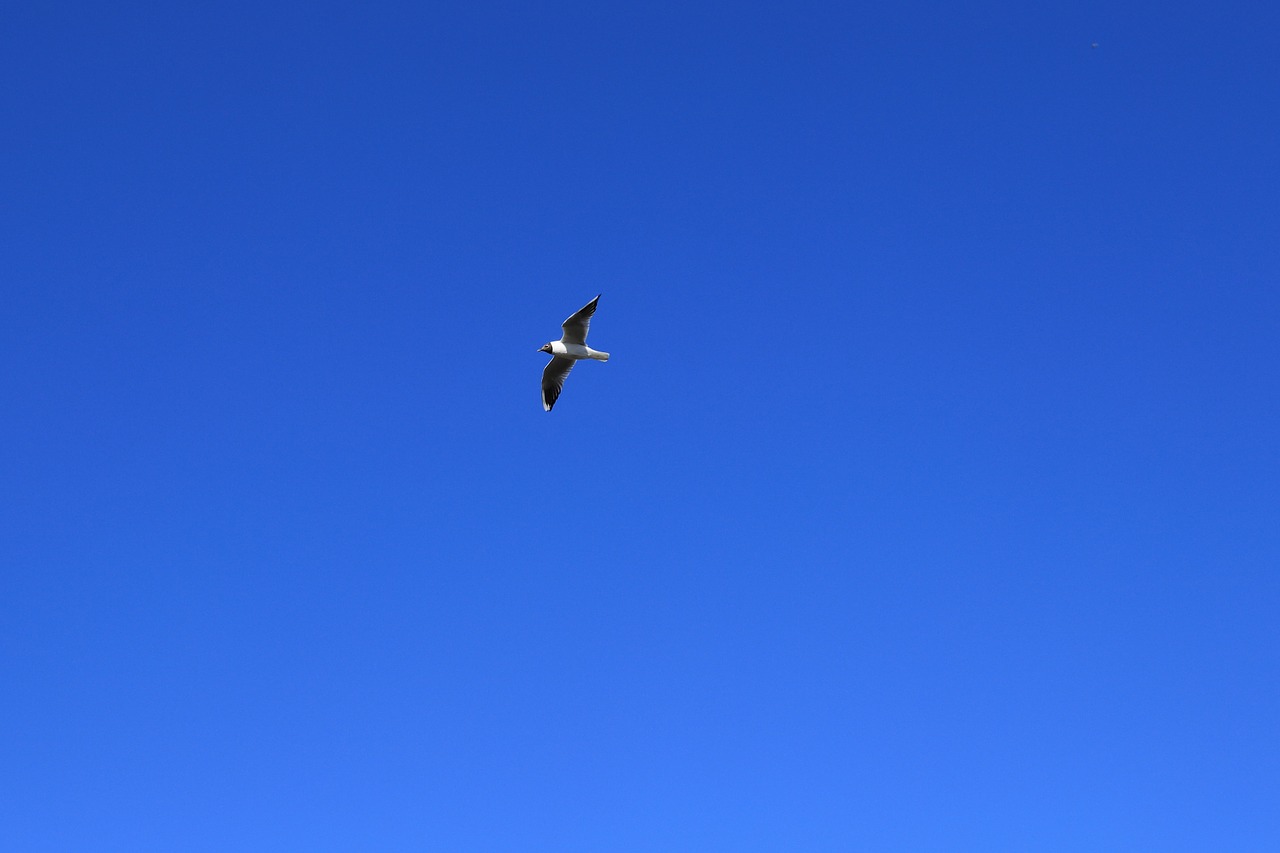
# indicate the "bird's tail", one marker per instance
pixel 599 356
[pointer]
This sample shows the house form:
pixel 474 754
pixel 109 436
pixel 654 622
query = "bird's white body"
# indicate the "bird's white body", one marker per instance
pixel 577 351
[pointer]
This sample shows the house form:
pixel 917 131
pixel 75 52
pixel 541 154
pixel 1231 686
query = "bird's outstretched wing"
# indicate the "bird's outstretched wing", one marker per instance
pixel 553 376
pixel 575 328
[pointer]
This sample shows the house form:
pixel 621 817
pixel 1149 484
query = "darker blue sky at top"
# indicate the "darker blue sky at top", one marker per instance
pixel 928 501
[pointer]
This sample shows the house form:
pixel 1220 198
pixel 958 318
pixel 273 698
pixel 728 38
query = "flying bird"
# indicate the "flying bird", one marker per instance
pixel 570 348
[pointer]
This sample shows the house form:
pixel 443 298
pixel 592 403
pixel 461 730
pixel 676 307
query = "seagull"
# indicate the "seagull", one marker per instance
pixel 564 352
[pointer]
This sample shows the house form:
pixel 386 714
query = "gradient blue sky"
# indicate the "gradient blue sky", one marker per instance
pixel 929 501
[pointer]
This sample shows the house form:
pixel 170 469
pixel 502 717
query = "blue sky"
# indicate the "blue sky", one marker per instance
pixel 928 502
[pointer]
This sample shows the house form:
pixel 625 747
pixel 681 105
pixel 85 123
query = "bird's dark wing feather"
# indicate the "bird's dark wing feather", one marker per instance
pixel 553 376
pixel 575 328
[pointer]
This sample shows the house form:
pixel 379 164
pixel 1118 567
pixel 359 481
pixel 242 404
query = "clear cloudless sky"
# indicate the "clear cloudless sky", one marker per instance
pixel 929 500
